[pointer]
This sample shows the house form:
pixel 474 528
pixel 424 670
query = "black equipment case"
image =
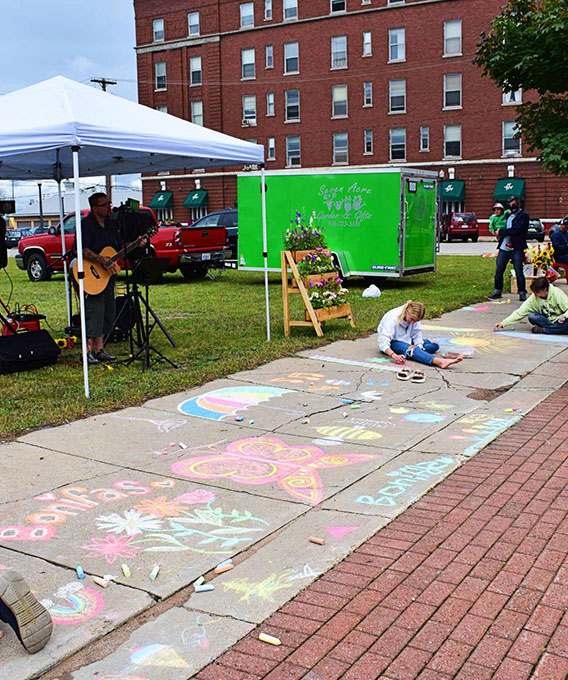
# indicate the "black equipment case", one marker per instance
pixel 26 351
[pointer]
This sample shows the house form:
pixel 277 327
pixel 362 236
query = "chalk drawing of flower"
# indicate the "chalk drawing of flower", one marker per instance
pixel 160 507
pixel 131 524
pixel 197 496
pixel 111 548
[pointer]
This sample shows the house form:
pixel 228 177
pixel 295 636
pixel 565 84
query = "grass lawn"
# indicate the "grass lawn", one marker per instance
pixel 219 327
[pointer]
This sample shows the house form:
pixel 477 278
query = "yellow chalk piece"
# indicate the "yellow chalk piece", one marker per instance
pixel 317 541
pixel 126 570
pixel 223 569
pixel 508 410
pixel 263 637
pixel 100 582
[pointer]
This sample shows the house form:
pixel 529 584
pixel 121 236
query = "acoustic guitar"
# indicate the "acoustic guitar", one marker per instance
pixel 96 275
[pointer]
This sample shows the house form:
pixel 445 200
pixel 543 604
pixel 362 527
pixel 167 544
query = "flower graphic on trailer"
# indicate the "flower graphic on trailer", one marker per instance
pixel 267 460
pixel 111 548
pixel 228 401
pixel 131 524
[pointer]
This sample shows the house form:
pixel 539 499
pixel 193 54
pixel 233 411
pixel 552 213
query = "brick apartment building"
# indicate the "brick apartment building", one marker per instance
pixel 325 83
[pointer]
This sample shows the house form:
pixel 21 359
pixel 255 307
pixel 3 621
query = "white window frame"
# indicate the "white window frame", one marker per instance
pixel 162 108
pixel 289 163
pixel 447 38
pixel 270 110
pixel 249 110
pixel 246 12
pixel 392 132
pixel 160 72
pixel 399 45
pixel 341 62
pixel 367 44
pixel 368 90
pixel 196 115
pixel 424 138
pixel 288 94
pixel 267 10
pixel 289 10
pixel 397 88
pixel 246 53
pixel 368 142
pixel 333 10
pixel 288 58
pixel 510 97
pixel 514 129
pixel 192 24
pixel 192 62
pixel 334 90
pixel 343 150
pixel 447 76
pixel 271 149
pixel 156 31
pixel 269 56
pixel 453 127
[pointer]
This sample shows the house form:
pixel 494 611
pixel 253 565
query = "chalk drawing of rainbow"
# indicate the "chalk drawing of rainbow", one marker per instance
pixel 82 605
pixel 228 401
pixel 157 655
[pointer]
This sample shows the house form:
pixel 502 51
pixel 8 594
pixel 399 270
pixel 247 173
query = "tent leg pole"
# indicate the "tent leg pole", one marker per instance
pixel 265 252
pixel 65 270
pixel 80 270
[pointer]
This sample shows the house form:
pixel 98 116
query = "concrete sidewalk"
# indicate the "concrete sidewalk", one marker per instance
pixel 325 444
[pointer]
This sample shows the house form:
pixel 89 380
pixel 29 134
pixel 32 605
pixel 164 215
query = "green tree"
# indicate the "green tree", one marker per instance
pixel 527 47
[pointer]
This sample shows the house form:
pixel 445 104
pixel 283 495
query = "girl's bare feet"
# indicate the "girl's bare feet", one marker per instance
pixel 446 363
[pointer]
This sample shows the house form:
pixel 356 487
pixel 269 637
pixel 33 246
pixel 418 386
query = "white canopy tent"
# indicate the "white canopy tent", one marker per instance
pixel 50 128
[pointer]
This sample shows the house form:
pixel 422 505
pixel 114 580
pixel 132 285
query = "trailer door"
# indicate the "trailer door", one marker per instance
pixel 419 219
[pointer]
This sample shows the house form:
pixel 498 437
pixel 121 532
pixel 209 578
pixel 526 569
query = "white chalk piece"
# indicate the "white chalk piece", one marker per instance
pixel 204 588
pixel 251 421
pixel 80 572
pixel 100 582
pixel 318 541
pixel 154 573
pixel 263 637
pixel 223 569
pixel 126 570
pixel 182 445
pixel 199 581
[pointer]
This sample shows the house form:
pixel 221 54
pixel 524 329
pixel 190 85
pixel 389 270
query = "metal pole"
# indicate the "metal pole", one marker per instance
pixel 63 247
pixel 40 205
pixel 80 270
pixel 265 251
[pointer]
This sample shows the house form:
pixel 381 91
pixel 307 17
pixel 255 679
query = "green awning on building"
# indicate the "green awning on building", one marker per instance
pixel 198 198
pixel 512 186
pixel 453 190
pixel 162 199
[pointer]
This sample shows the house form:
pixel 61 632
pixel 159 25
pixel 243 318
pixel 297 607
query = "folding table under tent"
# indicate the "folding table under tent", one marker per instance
pixel 49 128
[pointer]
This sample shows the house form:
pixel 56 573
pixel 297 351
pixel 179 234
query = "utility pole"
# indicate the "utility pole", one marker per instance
pixel 103 82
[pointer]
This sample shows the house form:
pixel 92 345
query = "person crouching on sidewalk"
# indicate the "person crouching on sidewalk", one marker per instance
pixel 400 337
pixel 547 309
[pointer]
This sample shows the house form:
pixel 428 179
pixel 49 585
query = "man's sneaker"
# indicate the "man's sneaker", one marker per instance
pixel 104 356
pixel 91 359
pixel 23 612
pixel 495 296
pixel 537 329
pixel 522 297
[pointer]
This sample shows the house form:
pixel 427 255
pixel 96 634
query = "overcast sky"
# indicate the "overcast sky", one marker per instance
pixel 79 39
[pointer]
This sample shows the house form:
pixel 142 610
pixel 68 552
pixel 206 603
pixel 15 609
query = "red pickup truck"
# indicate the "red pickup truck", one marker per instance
pixel 191 250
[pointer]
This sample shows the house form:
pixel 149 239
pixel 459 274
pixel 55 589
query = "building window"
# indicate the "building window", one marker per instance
pixel 397 146
pixel 339 101
pixel 193 23
pixel 394 2
pixel 197 112
pixel 452 91
pixel 397 96
pixel 340 150
pixel 424 138
pixel 269 57
pixel 160 67
pixel 247 64
pixel 339 51
pixel 397 44
pixel 271 149
pixel 452 141
pixel 292 104
pixel 270 103
pixel 513 97
pixel 511 145
pixel 291 57
pixel 268 10
pixel 247 14
pixel 249 109
pixel 368 93
pixel 195 72
pixel 367 47
pixel 368 142
pixel 293 157
pixel 453 38
pixel 290 10
pixel 337 5
pixel 162 108
pixel 158 30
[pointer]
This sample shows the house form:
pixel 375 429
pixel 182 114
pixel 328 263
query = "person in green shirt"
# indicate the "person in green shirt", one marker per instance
pixel 547 309
pixel 498 219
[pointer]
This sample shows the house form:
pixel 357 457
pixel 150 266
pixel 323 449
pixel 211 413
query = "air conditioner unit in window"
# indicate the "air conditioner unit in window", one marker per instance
pixel 245 122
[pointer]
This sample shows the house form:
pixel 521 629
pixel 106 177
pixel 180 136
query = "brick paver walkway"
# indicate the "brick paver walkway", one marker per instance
pixel 470 583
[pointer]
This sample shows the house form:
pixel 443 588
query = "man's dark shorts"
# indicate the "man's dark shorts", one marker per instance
pixel 99 312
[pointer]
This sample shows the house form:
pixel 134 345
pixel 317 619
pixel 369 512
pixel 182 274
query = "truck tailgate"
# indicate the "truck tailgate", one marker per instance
pixel 205 238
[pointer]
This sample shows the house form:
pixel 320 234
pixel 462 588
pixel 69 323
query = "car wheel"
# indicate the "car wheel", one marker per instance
pixel 540 239
pixel 192 271
pixel 37 268
pixel 475 239
pixel 464 239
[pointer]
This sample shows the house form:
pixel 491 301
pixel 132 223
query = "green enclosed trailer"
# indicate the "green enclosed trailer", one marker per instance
pixel 377 222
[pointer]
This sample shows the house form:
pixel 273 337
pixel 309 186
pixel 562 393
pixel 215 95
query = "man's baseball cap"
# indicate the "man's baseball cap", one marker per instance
pixel 565 220
pixel 498 205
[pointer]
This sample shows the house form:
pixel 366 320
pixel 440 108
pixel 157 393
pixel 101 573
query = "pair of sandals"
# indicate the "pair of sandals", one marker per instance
pixel 413 376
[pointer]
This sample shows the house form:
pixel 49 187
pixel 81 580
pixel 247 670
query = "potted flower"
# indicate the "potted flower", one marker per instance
pixel 541 257
pixel 316 265
pixel 302 238
pixel 328 298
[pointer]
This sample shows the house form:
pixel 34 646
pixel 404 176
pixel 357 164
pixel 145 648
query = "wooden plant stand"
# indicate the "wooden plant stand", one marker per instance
pixel 313 317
